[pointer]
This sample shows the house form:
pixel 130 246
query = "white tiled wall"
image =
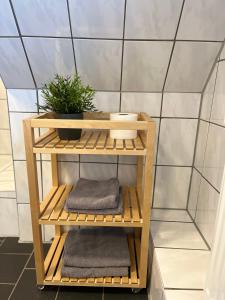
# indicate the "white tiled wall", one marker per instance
pixel 210 155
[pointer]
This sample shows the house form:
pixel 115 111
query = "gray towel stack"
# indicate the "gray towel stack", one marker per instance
pixel 96 252
pixel 95 197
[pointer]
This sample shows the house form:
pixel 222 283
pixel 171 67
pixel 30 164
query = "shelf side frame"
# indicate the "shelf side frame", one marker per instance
pixel 34 200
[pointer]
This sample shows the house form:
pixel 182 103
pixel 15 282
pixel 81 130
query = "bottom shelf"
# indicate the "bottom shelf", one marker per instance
pixel 53 266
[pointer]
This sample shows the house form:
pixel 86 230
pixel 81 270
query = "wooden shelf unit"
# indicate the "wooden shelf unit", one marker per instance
pixel 136 200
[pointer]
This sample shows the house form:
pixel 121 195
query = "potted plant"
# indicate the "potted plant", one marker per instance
pixel 68 98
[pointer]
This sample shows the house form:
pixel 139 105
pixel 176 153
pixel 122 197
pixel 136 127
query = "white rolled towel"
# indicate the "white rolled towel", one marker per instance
pixel 123 134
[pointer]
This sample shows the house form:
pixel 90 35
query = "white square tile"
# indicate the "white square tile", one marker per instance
pixel 12 57
pixel 152 19
pixel 202 20
pixel 43 18
pixel 22 100
pixel 144 65
pixel 107 101
pixel 97 171
pixel 22 192
pixel 201 145
pixel 5 142
pixel 156 285
pixel 8 25
pixel 99 63
pixel 189 69
pixel 48 57
pixel 25 227
pixel 46 177
pixel 177 215
pixel 194 193
pixel 4 117
pixel 171 188
pixel 184 105
pixel 99 158
pixel 127 174
pixel 8 217
pixel 149 103
pixel 128 159
pixel 68 172
pixel 183 269
pixel 16 121
pixel 176 141
pixel 176 235
pixel 184 295
pixel 98 19
pixel 206 210
pixel 215 155
pixel 208 96
pixel 218 106
pixel 49 232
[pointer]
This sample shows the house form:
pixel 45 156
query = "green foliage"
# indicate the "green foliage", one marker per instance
pixel 67 95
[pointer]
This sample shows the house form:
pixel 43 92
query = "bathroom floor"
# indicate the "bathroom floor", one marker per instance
pixel 17 279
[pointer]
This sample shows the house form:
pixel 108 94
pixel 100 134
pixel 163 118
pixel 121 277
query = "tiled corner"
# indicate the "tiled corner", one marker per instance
pixel 176 142
pixel 97 171
pixel 48 57
pixel 201 145
pixel 8 217
pixel 206 210
pixel 183 269
pixel 149 103
pixel 194 193
pixel 176 235
pixel 152 19
pixel 172 195
pixel 170 215
pixel 104 57
pixel 156 284
pixel 189 69
pixel 12 57
pixel 101 19
pixel 21 100
pixel 144 65
pixel 185 105
pixel 42 18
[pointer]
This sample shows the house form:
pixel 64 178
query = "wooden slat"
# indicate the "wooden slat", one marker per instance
pixel 101 141
pixel 83 140
pixel 110 143
pixel 119 144
pixel 126 215
pixel 45 138
pixel 81 217
pixel 133 270
pixel 73 279
pixel 118 218
pixel 57 276
pixel 99 218
pixel 71 144
pixel 55 259
pixel 61 144
pixel 53 202
pixel 52 143
pixel 90 217
pixel 125 280
pixel 90 280
pixel 138 143
pixel 47 199
pixel 108 279
pixel 59 206
pixel 134 205
pixel 99 280
pixel 116 279
pixel 93 140
pixel 81 280
pixel 65 279
pixel 72 216
pixel 51 252
pixel 109 218
pixel 64 215
pixel 129 145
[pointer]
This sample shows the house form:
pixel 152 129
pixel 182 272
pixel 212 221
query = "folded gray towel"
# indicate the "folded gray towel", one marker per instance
pixel 94 194
pixel 96 248
pixel 111 211
pixel 93 272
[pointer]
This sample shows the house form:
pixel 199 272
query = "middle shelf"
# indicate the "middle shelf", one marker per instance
pixel 52 210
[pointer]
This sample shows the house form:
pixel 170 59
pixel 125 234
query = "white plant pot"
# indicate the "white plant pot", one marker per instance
pixel 123 134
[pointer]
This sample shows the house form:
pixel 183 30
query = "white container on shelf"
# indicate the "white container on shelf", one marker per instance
pixel 123 134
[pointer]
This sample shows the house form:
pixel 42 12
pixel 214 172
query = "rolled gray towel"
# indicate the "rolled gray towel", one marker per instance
pixel 94 194
pixel 111 211
pixel 96 248
pixel 93 272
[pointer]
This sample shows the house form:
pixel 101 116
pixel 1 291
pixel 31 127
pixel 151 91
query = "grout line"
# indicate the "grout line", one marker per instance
pixel 56 296
pixel 213 123
pixel 6 283
pixel 71 32
pixel 207 180
pixel 103 293
pixel 17 254
pixel 178 248
pixel 19 276
pixel 182 289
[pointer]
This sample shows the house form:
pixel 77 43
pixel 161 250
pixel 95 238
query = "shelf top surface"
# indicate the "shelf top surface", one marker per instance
pixel 91 142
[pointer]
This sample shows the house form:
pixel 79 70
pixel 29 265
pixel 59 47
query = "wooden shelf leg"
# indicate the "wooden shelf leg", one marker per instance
pixel 55 183
pixel 34 200
pixel 147 202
